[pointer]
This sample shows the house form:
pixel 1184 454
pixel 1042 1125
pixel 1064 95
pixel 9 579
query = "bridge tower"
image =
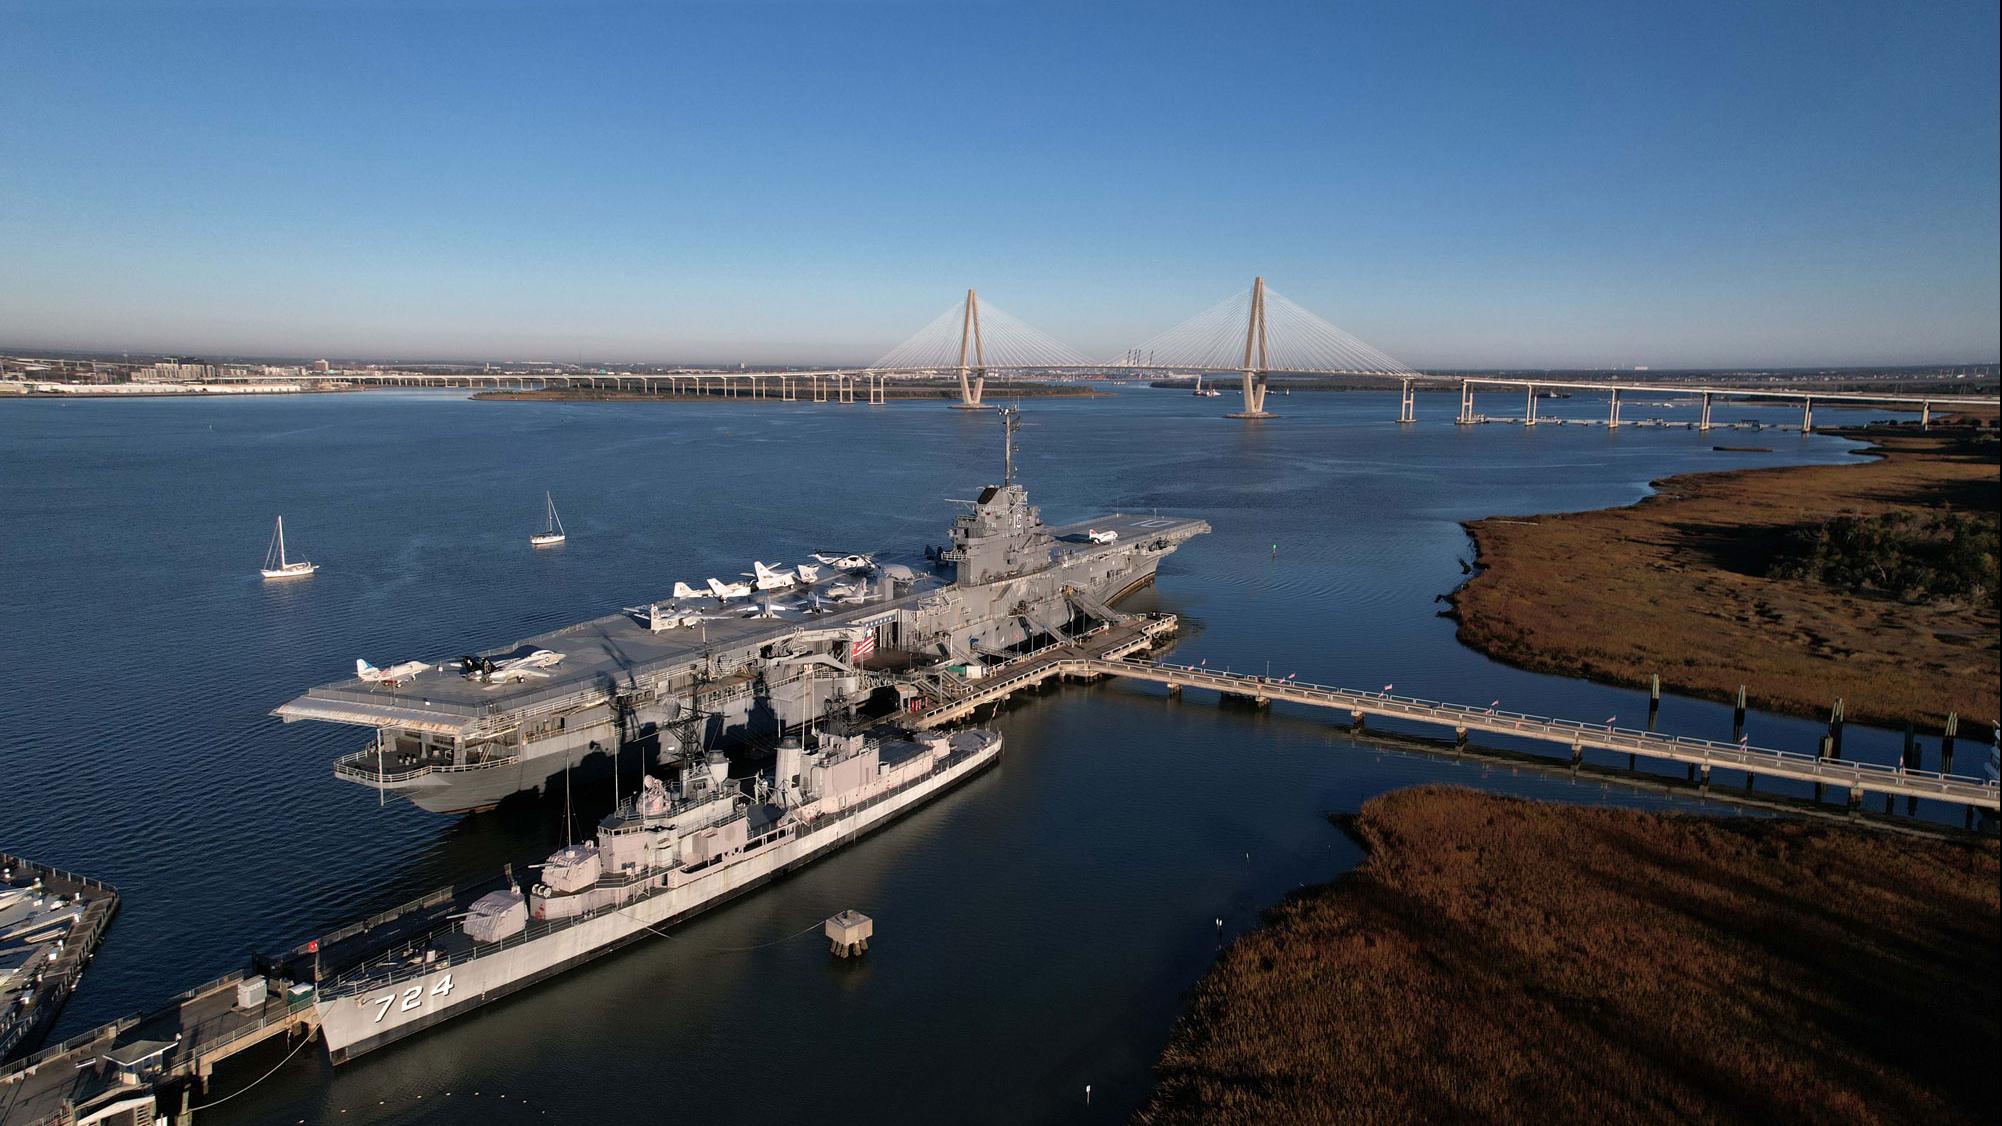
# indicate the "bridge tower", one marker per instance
pixel 1254 368
pixel 969 333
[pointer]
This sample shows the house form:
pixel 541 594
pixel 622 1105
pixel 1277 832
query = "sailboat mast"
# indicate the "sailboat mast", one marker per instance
pixel 281 543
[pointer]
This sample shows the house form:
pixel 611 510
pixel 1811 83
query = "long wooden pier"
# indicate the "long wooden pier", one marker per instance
pixel 1858 778
pixel 1110 651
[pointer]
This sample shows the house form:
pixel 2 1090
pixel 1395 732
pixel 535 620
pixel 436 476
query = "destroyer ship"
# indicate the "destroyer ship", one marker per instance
pixel 742 661
pixel 662 855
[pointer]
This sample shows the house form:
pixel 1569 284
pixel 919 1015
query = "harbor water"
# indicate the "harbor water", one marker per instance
pixel 1036 930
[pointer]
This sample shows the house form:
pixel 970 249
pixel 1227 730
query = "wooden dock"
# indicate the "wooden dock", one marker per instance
pixel 140 1067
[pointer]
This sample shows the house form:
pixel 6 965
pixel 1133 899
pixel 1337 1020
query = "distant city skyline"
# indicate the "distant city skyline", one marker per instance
pixel 1461 185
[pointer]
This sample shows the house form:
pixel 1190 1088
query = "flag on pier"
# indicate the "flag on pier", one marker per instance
pixel 862 647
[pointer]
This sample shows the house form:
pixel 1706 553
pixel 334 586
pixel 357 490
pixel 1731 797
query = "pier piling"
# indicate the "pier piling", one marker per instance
pixel 1946 742
pixel 1738 717
pixel 1910 761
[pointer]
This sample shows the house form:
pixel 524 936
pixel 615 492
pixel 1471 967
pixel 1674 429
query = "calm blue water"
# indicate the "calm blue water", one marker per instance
pixel 1036 930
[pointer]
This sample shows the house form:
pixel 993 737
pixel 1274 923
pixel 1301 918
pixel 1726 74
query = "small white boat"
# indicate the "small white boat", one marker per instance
pixel 276 566
pixel 552 532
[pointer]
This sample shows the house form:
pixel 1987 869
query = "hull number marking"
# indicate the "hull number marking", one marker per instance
pixel 412 997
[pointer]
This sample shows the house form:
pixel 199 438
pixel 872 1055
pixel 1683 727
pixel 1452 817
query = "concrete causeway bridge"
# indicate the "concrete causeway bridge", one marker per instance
pixel 1252 335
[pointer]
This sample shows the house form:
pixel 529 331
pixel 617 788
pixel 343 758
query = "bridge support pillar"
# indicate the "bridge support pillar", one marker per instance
pixel 1738 717
pixel 1529 406
pixel 969 338
pixel 1459 738
pixel 1925 415
pixel 1174 692
pixel 1704 784
pixel 1807 415
pixel 1577 755
pixel 879 390
pixel 1613 411
pixel 1407 406
pixel 1855 800
pixel 1355 723
pixel 1704 424
pixel 1466 404
pixel 1255 362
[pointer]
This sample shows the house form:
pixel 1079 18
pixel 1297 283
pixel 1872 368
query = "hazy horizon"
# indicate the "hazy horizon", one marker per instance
pixel 1460 185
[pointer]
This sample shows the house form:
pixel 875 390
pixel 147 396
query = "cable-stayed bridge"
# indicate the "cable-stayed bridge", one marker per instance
pixel 1253 335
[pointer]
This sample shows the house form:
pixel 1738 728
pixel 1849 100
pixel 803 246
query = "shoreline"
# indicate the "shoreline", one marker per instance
pixel 1501 959
pixel 1677 584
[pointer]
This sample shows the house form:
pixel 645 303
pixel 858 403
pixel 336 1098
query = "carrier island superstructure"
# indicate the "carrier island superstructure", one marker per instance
pixel 454 737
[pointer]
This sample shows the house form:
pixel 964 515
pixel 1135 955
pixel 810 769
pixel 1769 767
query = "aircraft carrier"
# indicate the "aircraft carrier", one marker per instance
pixel 690 672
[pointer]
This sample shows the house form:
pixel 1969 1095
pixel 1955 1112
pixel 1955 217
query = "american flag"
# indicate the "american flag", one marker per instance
pixel 860 648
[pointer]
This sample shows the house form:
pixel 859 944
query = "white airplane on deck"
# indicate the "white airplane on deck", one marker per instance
pixel 722 591
pixel 503 671
pixel 1096 536
pixel 657 616
pixel 770 579
pixel 768 608
pixel 683 590
pixel 851 563
pixel 392 676
pixel 844 593
pixel 808 573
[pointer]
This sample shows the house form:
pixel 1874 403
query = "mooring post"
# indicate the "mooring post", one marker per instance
pixel 1460 738
pixel 1355 721
pixel 1577 754
pixel 1946 743
pixel 1174 691
pixel 1706 779
pixel 1824 752
pixel 1653 701
pixel 1855 799
pixel 1738 717
pixel 1835 730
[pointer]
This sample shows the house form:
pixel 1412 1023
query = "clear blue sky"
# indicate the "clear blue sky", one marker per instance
pixel 1458 183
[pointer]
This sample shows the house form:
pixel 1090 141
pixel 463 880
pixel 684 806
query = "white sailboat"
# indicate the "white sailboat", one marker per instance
pixel 552 532
pixel 276 566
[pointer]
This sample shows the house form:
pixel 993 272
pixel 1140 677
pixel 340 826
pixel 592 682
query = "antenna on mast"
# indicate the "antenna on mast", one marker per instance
pixel 1011 417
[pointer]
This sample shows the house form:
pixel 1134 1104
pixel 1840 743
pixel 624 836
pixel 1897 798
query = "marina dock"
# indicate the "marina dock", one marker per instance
pixel 50 924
